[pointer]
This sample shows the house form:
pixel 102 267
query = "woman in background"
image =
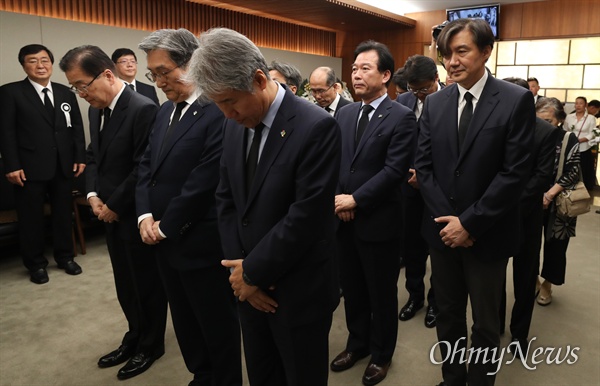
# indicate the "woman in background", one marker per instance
pixel 557 229
pixel 582 125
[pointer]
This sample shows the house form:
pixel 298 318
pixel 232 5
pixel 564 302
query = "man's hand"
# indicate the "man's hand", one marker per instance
pixel 255 296
pixel 412 181
pixel 346 215
pixel 157 234
pixel 96 203
pixel 453 234
pixel 344 202
pixel 107 215
pixel 146 232
pixel 17 177
pixel 78 169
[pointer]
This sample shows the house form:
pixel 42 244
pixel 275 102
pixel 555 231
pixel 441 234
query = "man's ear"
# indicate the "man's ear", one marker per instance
pixel 261 79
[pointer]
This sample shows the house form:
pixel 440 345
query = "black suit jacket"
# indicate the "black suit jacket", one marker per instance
pixel 284 229
pixel 341 103
pixel 32 140
pixel 114 154
pixel 481 184
pixel 374 171
pixel 147 90
pixel 177 184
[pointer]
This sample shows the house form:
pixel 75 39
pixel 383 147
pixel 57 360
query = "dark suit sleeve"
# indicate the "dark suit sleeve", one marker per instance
pixel 91 167
pixel 397 161
pixel 511 179
pixel 79 156
pixel 198 192
pixel 144 173
pixel 541 178
pixel 8 130
pixel 315 179
pixel 122 199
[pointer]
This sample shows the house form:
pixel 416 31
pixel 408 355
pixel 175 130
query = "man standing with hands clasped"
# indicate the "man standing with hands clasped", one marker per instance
pixel 472 163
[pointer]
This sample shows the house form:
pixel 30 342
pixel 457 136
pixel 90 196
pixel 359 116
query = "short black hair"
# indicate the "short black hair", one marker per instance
pixel 91 59
pixel 480 29
pixel 533 79
pixel 518 81
pixel 399 79
pixel 419 68
pixel 386 60
pixel 290 73
pixel 32 49
pixel 122 52
pixel 594 103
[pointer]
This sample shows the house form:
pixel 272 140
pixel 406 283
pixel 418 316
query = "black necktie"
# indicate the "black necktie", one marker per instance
pixel 174 121
pixel 131 86
pixel 48 104
pixel 465 119
pixel 328 109
pixel 105 118
pixel 252 160
pixel 362 123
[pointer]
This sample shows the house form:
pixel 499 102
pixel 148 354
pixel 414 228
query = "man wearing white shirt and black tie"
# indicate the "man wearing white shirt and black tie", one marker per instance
pixel 126 66
pixel 324 89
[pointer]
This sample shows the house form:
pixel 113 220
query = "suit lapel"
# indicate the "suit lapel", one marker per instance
pixel 351 121
pixel 279 133
pixel 485 106
pixel 33 97
pixel 116 119
pixel 448 124
pixel 378 117
pixel 186 122
pixel 94 115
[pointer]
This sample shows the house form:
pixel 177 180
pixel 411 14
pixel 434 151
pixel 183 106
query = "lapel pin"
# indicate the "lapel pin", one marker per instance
pixel 380 115
pixel 282 133
pixel 195 112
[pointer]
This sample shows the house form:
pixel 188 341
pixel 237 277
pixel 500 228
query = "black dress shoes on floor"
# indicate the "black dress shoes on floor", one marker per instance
pixel 409 310
pixel 430 317
pixel 39 276
pixel 345 360
pixel 375 373
pixel 138 363
pixel 70 267
pixel 113 358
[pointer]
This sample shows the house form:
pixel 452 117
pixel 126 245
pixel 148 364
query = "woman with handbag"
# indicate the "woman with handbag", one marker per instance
pixel 558 229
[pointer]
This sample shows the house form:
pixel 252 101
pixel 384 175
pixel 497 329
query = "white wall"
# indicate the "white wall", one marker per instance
pixel 18 30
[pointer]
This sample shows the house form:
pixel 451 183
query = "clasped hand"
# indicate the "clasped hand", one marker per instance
pixel 453 234
pixel 101 210
pixel 149 231
pixel 254 295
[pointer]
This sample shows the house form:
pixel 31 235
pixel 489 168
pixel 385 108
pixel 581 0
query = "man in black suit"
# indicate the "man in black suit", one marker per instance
pixel 126 66
pixel 534 87
pixel 473 160
pixel 274 200
pixel 526 261
pixel 120 120
pixel 287 74
pixel 324 89
pixel 175 202
pixel 422 79
pixel 43 148
pixel 376 155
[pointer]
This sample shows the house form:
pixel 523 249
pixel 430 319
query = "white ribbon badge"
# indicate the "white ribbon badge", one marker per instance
pixel 66 108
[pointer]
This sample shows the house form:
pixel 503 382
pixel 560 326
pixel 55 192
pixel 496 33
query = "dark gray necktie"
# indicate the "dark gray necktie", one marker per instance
pixel 174 121
pixel 252 160
pixel 48 104
pixel 465 119
pixel 362 123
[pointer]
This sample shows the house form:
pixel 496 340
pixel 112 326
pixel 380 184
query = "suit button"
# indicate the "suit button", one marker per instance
pixel 457 173
pixel 153 183
pixel 245 222
pixel 351 170
pixel 243 252
pixel 451 198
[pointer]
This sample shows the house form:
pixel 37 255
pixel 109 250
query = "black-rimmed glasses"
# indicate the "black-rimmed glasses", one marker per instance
pixel 84 89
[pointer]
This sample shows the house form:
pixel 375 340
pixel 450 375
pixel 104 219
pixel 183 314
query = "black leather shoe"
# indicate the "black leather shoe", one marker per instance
pixel 430 317
pixel 138 363
pixel 345 360
pixel 375 373
pixel 39 276
pixel 113 358
pixel 409 310
pixel 70 267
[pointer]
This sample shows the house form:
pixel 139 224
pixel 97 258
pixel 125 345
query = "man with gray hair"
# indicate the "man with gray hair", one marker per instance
pixel 285 73
pixel 275 204
pixel 324 88
pixel 175 198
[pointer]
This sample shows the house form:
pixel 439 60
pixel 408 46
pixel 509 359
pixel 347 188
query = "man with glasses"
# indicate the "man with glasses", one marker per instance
pixel 120 120
pixel 324 89
pixel 175 199
pixel 126 66
pixel 43 148
pixel 422 79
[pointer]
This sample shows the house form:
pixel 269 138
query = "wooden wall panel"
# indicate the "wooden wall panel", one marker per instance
pixel 151 15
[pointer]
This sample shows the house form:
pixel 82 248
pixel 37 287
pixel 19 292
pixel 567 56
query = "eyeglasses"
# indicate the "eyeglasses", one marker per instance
pixel 84 89
pixel 422 90
pixel 317 91
pixel 44 61
pixel 152 77
pixel 132 61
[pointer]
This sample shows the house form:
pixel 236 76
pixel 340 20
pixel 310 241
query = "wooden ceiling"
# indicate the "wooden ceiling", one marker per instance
pixel 332 15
